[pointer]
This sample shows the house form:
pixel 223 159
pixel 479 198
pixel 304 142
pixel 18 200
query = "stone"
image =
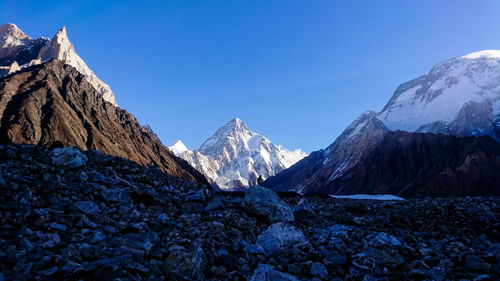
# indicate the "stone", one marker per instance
pixel 68 157
pixel 182 263
pixel 253 249
pixel 58 226
pixel 323 235
pixel 49 240
pixel 265 272
pixel 382 239
pixel 318 269
pixel 362 261
pixel 385 256
pixel 334 258
pixel 475 263
pixel 116 195
pixel 280 236
pixel 88 207
pixel 265 202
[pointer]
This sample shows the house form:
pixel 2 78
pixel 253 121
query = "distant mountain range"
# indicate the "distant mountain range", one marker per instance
pixel 235 157
pixel 437 136
pixel 459 97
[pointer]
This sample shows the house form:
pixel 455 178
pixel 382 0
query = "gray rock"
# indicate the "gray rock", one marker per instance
pixel 88 207
pixel 382 239
pixel 265 202
pixel 68 157
pixel 253 249
pixel 437 273
pixel 334 258
pixel 385 256
pixel 116 195
pixel 280 236
pixel 318 269
pixel 266 272
pixel 48 240
pixel 58 226
pixel 475 263
pixel 323 235
pixel 368 277
pixel 185 264
pixel 95 176
pixel 362 261
pixel 482 277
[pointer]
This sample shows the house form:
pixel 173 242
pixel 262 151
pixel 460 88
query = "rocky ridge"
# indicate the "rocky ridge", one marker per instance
pixel 67 214
pixel 52 104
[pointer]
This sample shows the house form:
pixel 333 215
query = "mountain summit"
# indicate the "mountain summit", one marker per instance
pixel 234 156
pixel 18 50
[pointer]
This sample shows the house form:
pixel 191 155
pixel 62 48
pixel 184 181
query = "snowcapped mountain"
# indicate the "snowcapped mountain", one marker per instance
pixel 234 156
pixel 18 50
pixel 459 97
pixel 178 147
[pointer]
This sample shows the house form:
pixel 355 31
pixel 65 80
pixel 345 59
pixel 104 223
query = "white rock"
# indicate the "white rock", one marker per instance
pixel 68 157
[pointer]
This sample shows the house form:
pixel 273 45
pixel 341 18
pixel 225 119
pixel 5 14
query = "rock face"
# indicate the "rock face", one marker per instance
pixel 417 165
pixel 113 219
pixel 18 49
pixel 235 157
pixel 53 103
pixel 409 165
pixel 459 97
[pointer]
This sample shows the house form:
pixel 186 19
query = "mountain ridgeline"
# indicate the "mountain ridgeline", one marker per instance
pixel 449 147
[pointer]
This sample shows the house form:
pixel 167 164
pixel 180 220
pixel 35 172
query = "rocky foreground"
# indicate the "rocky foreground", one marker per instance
pixel 68 215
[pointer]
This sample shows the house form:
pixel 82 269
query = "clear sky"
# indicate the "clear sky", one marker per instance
pixel 297 72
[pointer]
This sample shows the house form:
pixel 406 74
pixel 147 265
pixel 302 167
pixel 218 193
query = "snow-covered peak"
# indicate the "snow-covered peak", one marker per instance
pixel 178 148
pixel 460 96
pixel 240 156
pixel 485 54
pixel 61 48
pixel 234 132
pixel 11 34
pixel 11 39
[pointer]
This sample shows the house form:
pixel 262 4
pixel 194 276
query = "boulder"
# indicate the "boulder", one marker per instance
pixel 382 239
pixel 265 202
pixel 280 236
pixel 68 157
pixel 265 272
pixel 318 269
pixel 88 207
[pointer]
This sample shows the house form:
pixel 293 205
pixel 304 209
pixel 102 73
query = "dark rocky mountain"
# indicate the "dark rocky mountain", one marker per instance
pixel 53 103
pixel 417 165
pixel 72 215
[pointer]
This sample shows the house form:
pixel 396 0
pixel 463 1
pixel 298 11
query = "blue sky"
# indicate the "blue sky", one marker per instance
pixel 297 72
